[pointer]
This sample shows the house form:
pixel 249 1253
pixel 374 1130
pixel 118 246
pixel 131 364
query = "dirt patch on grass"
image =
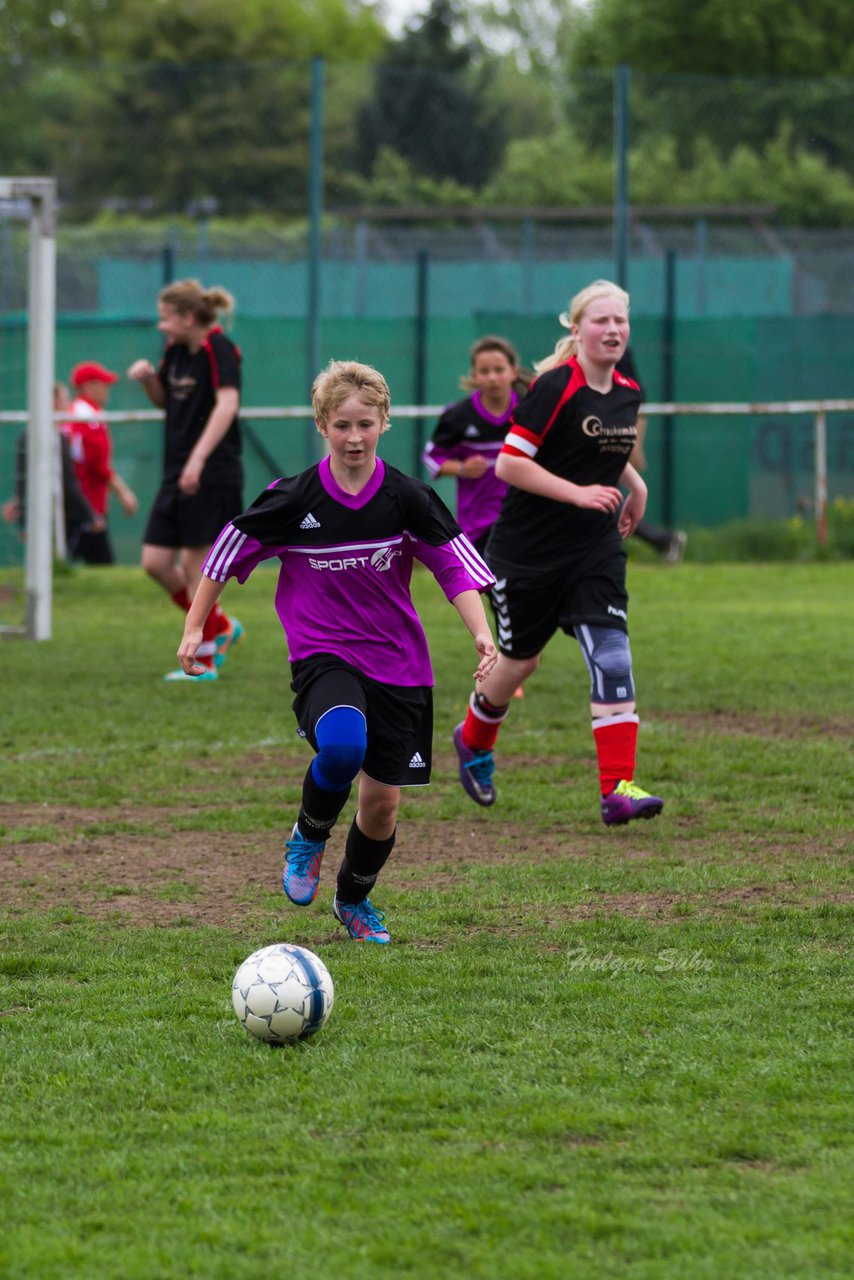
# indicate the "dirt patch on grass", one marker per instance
pixel 768 725
pixel 219 878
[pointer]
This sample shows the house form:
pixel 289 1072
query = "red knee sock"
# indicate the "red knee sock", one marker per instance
pixel 182 599
pixel 221 620
pixel 482 722
pixel 616 740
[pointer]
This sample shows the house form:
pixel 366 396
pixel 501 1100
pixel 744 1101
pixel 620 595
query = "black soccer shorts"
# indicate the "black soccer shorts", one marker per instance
pixel 191 519
pixel 399 717
pixel 531 607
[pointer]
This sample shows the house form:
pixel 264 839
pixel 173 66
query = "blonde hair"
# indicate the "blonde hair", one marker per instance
pixel 343 378
pixel 567 347
pixel 489 342
pixel 190 297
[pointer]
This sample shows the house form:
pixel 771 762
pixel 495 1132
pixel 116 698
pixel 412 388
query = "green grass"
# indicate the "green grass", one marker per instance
pixel 587 1052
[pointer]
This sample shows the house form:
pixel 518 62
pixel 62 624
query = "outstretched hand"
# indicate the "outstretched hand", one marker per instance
pixel 485 646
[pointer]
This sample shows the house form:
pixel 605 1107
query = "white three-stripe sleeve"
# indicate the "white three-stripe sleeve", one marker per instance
pixel 472 561
pixel 222 553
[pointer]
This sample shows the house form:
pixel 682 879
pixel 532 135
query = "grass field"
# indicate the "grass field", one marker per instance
pixel 587 1052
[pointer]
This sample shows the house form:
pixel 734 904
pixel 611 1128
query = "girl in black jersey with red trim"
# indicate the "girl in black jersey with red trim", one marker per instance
pixel 346 532
pixel 557 548
pixel 198 384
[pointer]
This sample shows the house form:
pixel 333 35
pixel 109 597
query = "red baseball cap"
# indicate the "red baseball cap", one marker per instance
pixel 91 371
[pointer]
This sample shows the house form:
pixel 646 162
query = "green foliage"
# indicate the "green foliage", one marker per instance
pixel 188 31
pixel 554 170
pixel 725 38
pixel 394 181
pixel 765 540
pixel 840 526
pixel 429 105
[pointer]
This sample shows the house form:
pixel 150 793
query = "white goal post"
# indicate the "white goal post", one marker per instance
pixel 37 198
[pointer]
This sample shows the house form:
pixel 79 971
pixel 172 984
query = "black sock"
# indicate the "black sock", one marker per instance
pixel 319 809
pixel 364 859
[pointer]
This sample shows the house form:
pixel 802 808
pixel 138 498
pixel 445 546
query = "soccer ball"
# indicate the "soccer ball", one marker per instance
pixel 282 993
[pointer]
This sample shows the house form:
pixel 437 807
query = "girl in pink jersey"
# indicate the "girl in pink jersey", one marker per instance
pixel 347 532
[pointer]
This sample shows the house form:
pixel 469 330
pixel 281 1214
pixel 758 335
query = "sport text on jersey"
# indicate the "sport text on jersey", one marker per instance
pixel 380 561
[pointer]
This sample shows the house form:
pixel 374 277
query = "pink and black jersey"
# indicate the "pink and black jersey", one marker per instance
pixel 191 381
pixel 344 584
pixel 465 429
pixel 579 434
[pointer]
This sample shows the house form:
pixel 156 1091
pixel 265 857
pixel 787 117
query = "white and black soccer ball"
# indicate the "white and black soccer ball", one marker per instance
pixel 282 993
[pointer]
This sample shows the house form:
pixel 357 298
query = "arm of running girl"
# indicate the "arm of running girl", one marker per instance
pixel 469 606
pixel 222 416
pixel 527 474
pixel 207 594
pixel 635 504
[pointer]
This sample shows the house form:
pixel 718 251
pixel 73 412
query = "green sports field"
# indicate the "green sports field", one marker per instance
pixel 587 1052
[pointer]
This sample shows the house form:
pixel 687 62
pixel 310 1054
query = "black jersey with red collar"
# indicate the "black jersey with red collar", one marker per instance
pixel 579 434
pixel 191 380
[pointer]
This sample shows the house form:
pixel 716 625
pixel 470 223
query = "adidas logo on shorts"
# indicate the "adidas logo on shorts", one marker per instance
pixel 416 762
pixel 309 522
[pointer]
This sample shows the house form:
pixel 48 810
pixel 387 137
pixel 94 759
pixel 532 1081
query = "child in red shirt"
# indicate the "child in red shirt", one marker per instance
pixel 92 453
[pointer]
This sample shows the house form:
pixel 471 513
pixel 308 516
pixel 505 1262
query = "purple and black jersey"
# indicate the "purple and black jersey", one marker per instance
pixel 464 430
pixel 347 563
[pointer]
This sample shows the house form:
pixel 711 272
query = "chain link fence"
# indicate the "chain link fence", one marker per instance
pixel 451 207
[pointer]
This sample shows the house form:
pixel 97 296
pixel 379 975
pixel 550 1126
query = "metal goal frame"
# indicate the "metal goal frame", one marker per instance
pixel 38 196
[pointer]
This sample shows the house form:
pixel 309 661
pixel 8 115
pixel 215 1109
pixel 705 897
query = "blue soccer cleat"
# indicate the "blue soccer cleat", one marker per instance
pixel 301 874
pixel 361 920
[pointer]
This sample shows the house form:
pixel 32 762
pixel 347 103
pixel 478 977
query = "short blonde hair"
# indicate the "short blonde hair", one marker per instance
pixel 190 297
pixel 343 378
pixel 567 347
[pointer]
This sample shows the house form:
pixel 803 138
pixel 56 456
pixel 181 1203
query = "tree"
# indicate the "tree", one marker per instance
pixel 536 34
pixel 718 37
pixel 173 102
pixel 188 30
pixel 733 72
pixel 430 104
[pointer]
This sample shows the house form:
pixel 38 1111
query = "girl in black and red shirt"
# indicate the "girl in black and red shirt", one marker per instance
pixel 198 384
pixel 557 548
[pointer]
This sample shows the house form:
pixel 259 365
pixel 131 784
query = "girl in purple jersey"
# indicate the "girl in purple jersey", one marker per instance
pixel 557 548
pixel 470 433
pixel 347 532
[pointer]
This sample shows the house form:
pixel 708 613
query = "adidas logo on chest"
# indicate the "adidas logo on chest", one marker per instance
pixel 309 522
